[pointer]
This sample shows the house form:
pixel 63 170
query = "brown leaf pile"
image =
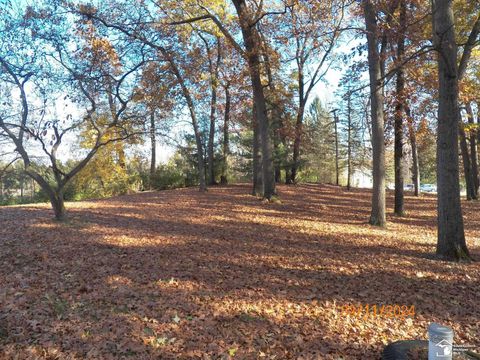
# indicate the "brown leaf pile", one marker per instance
pixel 184 275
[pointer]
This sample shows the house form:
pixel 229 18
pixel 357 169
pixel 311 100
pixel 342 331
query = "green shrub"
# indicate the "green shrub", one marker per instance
pixel 168 177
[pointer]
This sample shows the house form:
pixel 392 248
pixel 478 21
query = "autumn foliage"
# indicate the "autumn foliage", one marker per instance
pixel 220 275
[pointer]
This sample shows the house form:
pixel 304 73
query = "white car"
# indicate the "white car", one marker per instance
pixel 428 188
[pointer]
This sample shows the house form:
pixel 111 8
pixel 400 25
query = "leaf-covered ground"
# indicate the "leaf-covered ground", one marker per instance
pixel 183 275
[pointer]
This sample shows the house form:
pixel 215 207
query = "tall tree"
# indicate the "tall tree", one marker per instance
pixel 473 146
pixel 412 136
pixel 226 135
pixel 314 30
pixel 399 113
pixel 257 180
pixel 467 165
pixel 214 57
pixel 352 98
pixel 251 38
pixel 124 20
pixel 451 244
pixel 377 216
pixel 153 147
pixel 88 66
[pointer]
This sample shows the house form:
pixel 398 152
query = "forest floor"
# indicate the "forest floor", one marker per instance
pixel 184 275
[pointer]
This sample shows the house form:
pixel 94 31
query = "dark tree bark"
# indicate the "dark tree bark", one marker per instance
pixel 412 135
pixel 252 43
pixel 377 216
pixel 153 147
pixel 276 149
pixel 213 68
pixel 288 176
pixel 211 140
pixel 298 128
pixel 277 126
pixel 275 110
pixel 467 167
pixel 58 205
pixel 399 111
pixel 473 149
pixel 257 158
pixel 196 130
pixel 451 243
pixel 349 140
pixel 226 138
pixel 337 168
pixel 478 124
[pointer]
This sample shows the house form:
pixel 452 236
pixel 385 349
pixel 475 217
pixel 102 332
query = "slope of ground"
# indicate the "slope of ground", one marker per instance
pixel 183 275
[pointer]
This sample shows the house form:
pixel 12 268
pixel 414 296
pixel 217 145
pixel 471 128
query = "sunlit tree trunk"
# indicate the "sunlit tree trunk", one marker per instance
pixel 252 45
pixel 377 216
pixel 451 243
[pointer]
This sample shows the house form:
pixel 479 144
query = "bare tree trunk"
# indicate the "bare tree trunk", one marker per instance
pixel 298 124
pixel 226 139
pixel 200 155
pixel 277 125
pixel 211 136
pixel 153 144
pixel 276 146
pixel 55 194
pixel 288 176
pixel 477 143
pixel 337 168
pixel 296 143
pixel 276 111
pixel 193 115
pixel 399 111
pixel 251 40
pixel 58 205
pixel 478 124
pixel 473 150
pixel 377 216
pixel 257 158
pixel 451 243
pixel 413 144
pixel 349 141
pixel 467 168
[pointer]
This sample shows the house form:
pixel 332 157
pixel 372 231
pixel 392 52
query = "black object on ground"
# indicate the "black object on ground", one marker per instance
pixel 399 349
